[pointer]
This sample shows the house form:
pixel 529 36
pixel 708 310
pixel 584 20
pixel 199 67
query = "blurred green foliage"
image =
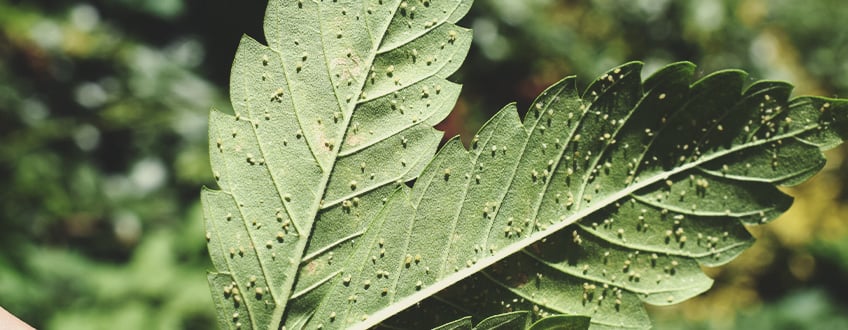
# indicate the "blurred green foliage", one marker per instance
pixel 103 109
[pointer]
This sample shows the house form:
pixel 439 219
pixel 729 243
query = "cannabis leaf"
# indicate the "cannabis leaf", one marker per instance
pixel 314 225
pixel 660 174
pixel 337 107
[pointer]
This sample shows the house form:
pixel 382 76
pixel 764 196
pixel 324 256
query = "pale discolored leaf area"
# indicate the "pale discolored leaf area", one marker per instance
pixel 595 202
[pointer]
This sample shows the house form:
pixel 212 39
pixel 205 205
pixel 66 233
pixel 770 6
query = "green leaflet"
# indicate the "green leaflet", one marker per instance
pixel 661 176
pixel 314 226
pixel 513 320
pixel 561 322
pixel 520 321
pixel 337 107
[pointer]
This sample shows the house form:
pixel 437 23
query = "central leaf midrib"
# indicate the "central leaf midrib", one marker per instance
pixel 348 113
pixel 302 241
pixel 316 207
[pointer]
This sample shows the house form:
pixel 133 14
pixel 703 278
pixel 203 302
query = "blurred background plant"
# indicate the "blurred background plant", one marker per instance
pixel 103 109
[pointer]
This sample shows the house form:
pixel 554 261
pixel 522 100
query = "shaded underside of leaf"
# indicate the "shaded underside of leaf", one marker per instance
pixel 512 320
pixel 562 322
pixel 617 195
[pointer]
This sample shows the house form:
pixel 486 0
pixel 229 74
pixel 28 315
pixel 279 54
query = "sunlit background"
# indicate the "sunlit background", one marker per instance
pixel 103 150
